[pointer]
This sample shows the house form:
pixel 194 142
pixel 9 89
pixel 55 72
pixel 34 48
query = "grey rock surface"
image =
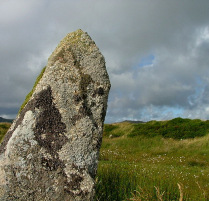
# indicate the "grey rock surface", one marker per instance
pixel 51 150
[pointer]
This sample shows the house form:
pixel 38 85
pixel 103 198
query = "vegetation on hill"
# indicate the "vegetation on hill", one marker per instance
pixel 32 90
pixel 5 120
pixel 146 162
pixel 3 129
pixel 177 128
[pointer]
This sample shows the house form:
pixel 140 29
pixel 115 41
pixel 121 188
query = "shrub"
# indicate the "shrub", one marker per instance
pixel 108 130
pixel 177 128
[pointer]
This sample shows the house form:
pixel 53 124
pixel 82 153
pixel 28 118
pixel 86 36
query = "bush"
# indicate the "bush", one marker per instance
pixel 177 128
pixel 108 130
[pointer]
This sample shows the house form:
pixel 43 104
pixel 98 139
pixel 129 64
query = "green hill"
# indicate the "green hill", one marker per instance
pixel 177 128
pixel 3 129
pixel 6 120
pixel 157 160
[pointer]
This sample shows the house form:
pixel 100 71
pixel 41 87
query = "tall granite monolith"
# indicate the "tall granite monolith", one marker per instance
pixel 51 150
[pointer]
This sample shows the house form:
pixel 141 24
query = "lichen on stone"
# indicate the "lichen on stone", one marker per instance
pixel 49 129
pixel 76 40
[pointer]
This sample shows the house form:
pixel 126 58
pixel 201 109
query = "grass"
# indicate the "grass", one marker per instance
pixel 177 128
pixel 146 167
pixel 152 167
pixel 3 129
pixel 33 89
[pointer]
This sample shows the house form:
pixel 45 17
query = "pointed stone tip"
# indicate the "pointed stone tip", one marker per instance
pixel 79 30
pixel 78 39
pixel 72 37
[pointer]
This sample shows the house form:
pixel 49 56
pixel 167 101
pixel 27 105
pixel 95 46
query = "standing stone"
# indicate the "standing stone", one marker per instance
pixel 51 150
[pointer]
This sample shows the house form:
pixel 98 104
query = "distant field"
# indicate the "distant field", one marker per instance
pixel 159 161
pixel 3 129
pixel 147 162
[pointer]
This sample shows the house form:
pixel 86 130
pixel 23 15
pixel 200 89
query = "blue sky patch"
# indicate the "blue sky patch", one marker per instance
pixel 148 60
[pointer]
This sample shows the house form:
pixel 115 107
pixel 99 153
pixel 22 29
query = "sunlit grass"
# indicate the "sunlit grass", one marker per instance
pixel 154 168
pixel 149 168
pixel 3 129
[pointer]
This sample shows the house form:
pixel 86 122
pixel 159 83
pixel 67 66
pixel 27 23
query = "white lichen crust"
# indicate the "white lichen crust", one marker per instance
pixel 51 150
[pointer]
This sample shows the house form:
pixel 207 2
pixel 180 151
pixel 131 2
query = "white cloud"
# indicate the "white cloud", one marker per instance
pixel 13 11
pixel 176 33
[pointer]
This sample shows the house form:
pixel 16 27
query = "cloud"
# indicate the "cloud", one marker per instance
pixel 14 12
pixel 156 52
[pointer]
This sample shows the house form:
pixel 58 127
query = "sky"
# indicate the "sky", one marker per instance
pixel 156 52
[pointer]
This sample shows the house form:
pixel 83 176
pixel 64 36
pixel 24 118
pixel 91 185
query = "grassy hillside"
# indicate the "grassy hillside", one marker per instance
pixel 2 120
pixel 148 162
pixel 177 128
pixel 27 98
pixel 162 161
pixel 3 129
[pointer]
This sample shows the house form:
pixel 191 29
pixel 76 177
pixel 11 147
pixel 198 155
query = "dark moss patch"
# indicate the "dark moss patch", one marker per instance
pixel 78 98
pixel 49 129
pixel 85 78
pixel 99 91
pixel 75 183
pixel 81 97
pixel 52 164
pixel 74 186
pixel 83 111
pixel 85 81
pixel 103 114
pixel 49 132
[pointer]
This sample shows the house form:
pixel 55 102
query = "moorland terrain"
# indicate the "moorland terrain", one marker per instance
pixel 156 160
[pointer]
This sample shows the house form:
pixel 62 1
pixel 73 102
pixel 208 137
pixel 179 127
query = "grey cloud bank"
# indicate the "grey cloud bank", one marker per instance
pixel 175 33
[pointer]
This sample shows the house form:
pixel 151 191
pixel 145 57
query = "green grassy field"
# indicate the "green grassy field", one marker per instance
pixel 144 162
pixel 3 129
pixel 162 161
